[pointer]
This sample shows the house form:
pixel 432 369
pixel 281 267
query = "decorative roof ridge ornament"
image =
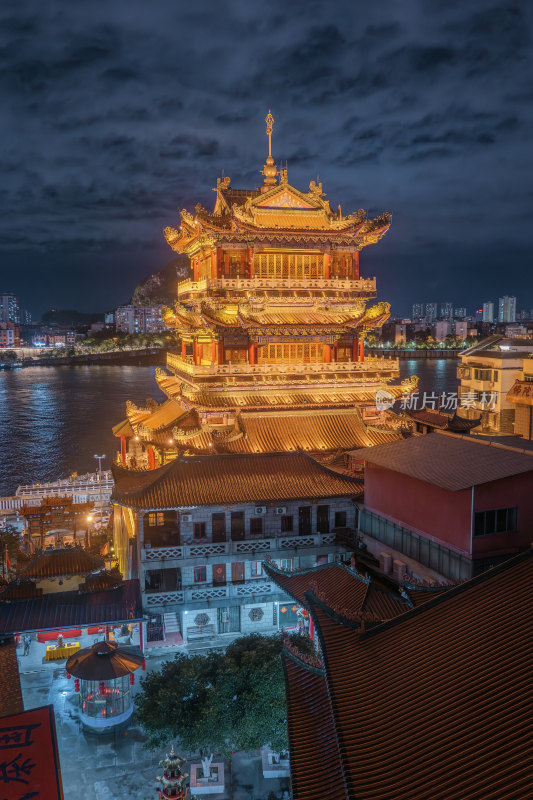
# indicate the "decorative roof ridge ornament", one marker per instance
pixel 269 170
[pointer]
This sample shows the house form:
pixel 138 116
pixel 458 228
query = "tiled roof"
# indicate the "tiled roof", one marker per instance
pixel 19 590
pixel 10 691
pixel 230 479
pixel 164 415
pixel 122 428
pixel 64 610
pixel 312 735
pixel 55 563
pixel 350 593
pixel 436 703
pixel 99 580
pixel 450 461
pixel 441 420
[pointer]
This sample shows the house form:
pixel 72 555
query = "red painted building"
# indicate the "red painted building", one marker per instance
pixel 456 504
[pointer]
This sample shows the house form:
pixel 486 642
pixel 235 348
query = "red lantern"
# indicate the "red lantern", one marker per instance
pixel 132 678
pixel 144 666
pixel 68 675
pixel 77 685
pixel 102 687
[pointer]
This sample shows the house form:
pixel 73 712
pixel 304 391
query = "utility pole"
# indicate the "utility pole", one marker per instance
pixel 100 459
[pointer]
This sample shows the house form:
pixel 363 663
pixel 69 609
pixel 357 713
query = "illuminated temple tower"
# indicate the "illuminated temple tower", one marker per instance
pixel 270 330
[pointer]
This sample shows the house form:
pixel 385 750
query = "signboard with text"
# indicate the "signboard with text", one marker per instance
pixel 29 761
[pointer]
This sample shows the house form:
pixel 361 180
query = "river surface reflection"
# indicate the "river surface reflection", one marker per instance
pixel 54 419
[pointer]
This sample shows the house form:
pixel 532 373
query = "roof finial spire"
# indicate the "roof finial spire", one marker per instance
pixel 269 119
pixel 269 171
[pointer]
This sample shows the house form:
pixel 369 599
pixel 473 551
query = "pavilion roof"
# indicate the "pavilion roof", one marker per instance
pixel 434 703
pixel 230 479
pixel 64 610
pixel 441 420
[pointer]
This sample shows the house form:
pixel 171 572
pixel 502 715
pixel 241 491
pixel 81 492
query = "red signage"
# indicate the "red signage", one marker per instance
pixel 29 761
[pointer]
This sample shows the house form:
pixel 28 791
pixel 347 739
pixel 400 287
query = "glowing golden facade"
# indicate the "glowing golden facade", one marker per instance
pixel 270 327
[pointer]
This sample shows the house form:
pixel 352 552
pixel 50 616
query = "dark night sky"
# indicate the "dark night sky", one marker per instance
pixel 117 114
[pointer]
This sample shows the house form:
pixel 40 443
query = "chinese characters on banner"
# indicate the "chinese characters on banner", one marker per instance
pixel 29 762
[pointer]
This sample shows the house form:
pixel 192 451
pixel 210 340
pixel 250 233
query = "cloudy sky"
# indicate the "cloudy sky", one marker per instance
pixel 117 114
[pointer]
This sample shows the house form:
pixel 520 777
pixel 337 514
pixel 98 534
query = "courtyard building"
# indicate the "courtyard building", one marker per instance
pixel 197 531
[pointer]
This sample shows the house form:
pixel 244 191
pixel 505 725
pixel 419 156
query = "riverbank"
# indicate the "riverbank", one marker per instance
pixel 145 356
pixel 425 352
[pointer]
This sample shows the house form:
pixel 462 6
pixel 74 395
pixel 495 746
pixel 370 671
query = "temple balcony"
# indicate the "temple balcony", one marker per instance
pixel 370 364
pixel 200 593
pixel 311 543
pixel 366 285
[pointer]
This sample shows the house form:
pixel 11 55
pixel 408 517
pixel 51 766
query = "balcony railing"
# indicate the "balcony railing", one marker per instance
pixel 231 284
pixel 210 591
pixel 251 546
pixel 185 365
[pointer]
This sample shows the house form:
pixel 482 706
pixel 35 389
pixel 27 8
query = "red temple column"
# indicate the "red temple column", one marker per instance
pixel 327 259
pixel 362 348
pixel 327 354
pixel 123 450
pixel 213 265
pixel 226 264
pixel 151 457
pixel 249 261
pixel 195 351
pixel 219 262
pixel 200 352
pixel 221 352
pixel 252 353
pixel 183 349
pixel 355 354
pixel 356 265
pixel 334 353
pixel 214 351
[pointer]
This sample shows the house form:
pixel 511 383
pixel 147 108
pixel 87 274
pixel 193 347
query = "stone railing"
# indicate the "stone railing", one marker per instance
pixel 249 284
pixel 207 592
pixel 251 546
pixel 184 365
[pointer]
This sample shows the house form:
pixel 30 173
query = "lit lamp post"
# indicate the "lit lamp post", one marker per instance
pixel 100 459
pixel 89 520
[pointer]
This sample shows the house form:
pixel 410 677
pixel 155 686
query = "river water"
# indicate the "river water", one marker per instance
pixel 54 419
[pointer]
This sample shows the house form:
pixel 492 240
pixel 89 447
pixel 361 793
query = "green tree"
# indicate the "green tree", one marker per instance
pixel 220 702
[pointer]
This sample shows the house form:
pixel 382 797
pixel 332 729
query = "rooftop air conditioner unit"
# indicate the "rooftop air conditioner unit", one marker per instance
pixel 186 517
pixel 281 510
pixel 260 510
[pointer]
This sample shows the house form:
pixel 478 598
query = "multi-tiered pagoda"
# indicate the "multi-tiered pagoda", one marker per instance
pixel 270 329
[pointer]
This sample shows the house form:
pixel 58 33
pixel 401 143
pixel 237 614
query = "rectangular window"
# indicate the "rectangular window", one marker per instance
pixel 285 563
pixel 256 526
pixel 200 574
pixel 257 569
pixel 156 519
pixel 499 520
pixel 199 530
pixel 482 374
pixel 286 524
pixel 340 519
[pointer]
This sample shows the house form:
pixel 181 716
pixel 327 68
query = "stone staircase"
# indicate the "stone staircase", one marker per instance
pixel 171 622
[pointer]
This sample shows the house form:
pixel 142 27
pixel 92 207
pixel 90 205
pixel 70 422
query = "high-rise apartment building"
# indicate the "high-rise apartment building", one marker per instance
pixel 139 319
pixel 418 310
pixel 507 309
pixel 446 310
pixel 460 313
pixel 9 308
pixel 488 312
pixel 431 311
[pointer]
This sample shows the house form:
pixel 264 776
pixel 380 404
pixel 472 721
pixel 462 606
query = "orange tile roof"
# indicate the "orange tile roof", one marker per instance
pixel 230 479
pixel 436 703
pixel 55 563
